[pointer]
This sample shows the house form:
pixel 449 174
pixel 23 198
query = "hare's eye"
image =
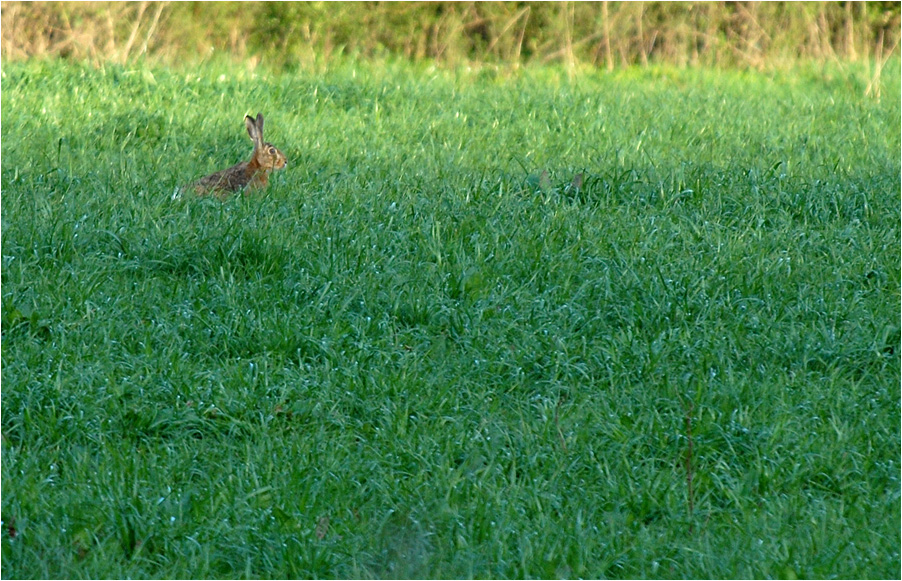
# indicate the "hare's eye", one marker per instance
pixel 272 151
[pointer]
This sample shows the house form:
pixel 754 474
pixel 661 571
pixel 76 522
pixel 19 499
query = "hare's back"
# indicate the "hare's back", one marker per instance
pixel 229 180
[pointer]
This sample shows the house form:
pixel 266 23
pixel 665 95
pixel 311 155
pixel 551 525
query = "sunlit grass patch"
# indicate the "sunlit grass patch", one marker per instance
pixel 472 331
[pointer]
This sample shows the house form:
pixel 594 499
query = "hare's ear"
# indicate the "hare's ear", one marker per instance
pixel 260 124
pixel 252 130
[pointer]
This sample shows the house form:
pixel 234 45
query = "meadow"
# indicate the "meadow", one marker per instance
pixel 640 324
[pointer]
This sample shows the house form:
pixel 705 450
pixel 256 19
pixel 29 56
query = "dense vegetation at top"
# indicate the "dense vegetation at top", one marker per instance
pixel 605 34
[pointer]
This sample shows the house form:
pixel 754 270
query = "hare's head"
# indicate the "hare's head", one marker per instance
pixel 266 156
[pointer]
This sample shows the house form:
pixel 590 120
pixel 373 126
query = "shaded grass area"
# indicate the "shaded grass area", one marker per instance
pixel 427 350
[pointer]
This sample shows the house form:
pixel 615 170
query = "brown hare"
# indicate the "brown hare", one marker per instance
pixel 247 175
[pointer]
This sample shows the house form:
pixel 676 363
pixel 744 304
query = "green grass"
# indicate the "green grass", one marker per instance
pixel 425 352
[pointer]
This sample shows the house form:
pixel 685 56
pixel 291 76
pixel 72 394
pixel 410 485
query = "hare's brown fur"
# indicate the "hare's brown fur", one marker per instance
pixel 247 175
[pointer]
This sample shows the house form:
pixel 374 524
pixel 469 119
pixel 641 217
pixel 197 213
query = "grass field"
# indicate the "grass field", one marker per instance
pixel 427 350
